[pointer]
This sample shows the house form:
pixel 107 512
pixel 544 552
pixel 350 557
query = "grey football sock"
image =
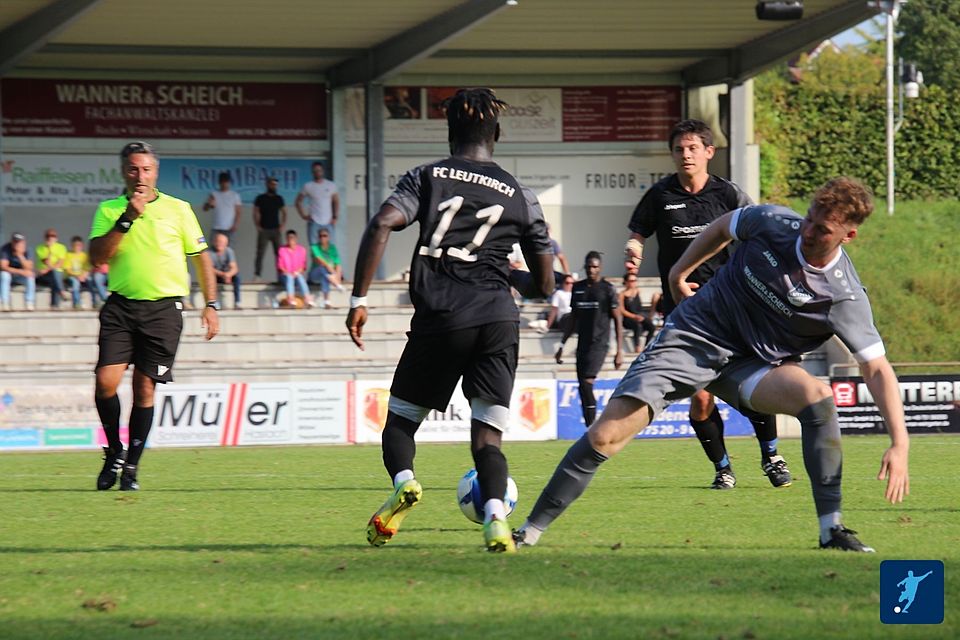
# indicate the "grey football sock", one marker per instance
pixel 571 478
pixel 822 456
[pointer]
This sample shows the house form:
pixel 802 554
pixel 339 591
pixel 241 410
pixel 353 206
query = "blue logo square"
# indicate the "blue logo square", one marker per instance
pixel 911 592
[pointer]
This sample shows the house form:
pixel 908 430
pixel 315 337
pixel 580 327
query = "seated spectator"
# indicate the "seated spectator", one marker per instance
pixel 292 265
pixel 559 315
pixel 76 270
pixel 225 266
pixel 631 306
pixel 49 270
pixel 326 271
pixel 558 254
pixel 98 288
pixel 16 267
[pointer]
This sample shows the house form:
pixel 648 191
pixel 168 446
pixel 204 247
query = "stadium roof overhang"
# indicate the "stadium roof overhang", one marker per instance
pixel 697 42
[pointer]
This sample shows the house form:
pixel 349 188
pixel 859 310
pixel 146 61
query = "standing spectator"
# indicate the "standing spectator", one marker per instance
pixel 559 255
pixel 327 271
pixel 324 204
pixel 594 305
pixel 270 217
pixel 144 235
pixel 16 267
pixel 77 268
pixel 631 306
pixel 50 256
pixel 225 267
pixel 292 266
pixel 226 206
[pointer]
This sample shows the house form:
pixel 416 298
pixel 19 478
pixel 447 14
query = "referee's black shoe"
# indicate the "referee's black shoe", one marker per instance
pixel 128 478
pixel 845 540
pixel 112 464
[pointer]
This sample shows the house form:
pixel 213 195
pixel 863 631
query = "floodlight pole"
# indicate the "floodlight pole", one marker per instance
pixel 892 9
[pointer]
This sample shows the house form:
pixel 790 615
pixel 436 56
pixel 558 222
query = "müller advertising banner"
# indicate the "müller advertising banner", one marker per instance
pixel 931 404
pixel 145 109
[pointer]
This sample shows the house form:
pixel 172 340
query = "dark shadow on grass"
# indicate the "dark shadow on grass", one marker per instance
pixel 218 489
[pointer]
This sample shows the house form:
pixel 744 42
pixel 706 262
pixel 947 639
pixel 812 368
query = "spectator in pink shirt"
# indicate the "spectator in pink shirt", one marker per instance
pixel 292 265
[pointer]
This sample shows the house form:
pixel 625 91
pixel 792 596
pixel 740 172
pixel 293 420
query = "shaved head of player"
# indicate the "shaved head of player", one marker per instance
pixel 465 324
pixel 787 289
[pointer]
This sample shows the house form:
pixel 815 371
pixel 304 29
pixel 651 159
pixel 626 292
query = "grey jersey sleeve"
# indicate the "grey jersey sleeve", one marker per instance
pixel 406 197
pixel 751 220
pixel 534 239
pixel 852 321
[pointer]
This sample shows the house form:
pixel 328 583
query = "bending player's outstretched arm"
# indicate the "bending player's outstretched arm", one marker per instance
pixel 371 250
pixel 882 383
pixel 706 245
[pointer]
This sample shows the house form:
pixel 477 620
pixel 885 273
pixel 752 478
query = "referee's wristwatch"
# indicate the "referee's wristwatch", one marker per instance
pixel 214 304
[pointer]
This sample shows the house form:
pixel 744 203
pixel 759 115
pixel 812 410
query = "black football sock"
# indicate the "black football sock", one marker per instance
pixel 399 447
pixel 822 455
pixel 569 481
pixel 492 472
pixel 588 402
pixel 141 419
pixel 109 411
pixel 765 426
pixel 710 434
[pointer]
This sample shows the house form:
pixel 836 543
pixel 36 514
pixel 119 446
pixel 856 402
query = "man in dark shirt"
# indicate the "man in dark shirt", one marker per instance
pixel 16 267
pixel 594 303
pixel 270 217
pixel 465 322
pixel 677 209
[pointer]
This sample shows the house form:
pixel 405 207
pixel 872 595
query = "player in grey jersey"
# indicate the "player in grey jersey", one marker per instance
pixel 788 287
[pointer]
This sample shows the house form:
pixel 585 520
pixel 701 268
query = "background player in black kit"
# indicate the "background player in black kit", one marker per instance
pixel 677 209
pixel 465 322
pixel 594 303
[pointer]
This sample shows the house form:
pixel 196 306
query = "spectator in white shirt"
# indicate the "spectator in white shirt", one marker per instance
pixel 324 207
pixel 226 206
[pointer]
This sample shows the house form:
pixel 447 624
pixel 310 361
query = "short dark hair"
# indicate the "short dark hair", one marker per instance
pixel 317 163
pixel 76 239
pixel 272 179
pixel 593 255
pixel 224 177
pixel 137 146
pixel 291 232
pixel 473 115
pixel 691 127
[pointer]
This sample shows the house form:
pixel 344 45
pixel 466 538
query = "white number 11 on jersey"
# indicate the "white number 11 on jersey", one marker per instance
pixel 490 215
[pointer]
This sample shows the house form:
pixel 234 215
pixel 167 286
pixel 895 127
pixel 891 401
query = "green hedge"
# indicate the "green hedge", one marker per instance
pixel 807 136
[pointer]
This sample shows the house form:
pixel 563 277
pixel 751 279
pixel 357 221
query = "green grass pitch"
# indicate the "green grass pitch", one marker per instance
pixel 269 543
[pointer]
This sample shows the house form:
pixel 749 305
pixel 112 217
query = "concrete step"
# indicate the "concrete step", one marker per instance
pixel 227 347
pixel 49 325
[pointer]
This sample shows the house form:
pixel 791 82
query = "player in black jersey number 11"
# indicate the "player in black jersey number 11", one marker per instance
pixel 465 323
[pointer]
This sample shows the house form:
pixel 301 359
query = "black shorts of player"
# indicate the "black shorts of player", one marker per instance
pixel 590 360
pixel 145 333
pixel 432 364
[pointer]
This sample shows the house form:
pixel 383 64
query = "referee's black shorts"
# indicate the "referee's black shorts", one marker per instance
pixel 145 333
pixel 432 364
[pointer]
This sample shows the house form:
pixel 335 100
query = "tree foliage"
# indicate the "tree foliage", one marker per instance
pixel 832 122
pixel 930 37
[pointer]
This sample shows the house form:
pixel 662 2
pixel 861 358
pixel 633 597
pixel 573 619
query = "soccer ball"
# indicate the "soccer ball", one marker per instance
pixel 468 496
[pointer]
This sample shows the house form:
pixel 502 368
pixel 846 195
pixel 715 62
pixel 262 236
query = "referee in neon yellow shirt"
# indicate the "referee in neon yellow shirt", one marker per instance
pixel 144 236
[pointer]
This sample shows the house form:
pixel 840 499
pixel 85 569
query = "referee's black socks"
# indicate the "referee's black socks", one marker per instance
pixel 109 411
pixel 141 419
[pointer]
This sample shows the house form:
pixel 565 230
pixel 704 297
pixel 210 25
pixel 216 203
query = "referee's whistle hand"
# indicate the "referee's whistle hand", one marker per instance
pixel 356 318
pixel 210 321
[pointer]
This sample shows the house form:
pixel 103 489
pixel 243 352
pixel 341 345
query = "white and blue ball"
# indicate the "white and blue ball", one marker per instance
pixel 471 504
